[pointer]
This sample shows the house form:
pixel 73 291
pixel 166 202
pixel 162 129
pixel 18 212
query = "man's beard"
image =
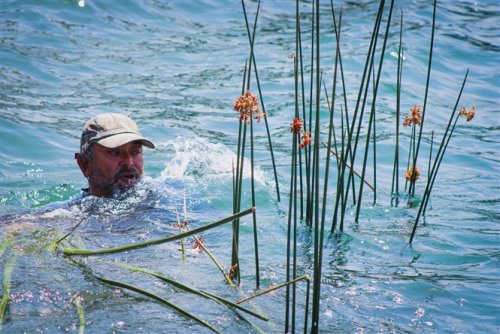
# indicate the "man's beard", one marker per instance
pixel 114 188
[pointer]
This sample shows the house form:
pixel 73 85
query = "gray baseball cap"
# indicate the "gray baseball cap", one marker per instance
pixel 111 130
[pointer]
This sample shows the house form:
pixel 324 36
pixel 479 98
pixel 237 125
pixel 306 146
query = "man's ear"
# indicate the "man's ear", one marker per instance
pixel 84 164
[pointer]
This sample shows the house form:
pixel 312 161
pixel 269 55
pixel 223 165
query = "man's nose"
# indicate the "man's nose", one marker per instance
pixel 127 159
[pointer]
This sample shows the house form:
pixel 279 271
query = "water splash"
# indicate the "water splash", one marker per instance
pixel 196 159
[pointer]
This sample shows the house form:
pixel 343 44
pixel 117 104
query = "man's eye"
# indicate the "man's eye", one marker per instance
pixel 115 153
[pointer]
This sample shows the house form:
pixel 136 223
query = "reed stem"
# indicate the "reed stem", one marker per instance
pixel 6 283
pixel 86 252
pixel 273 288
pixel 77 301
pixel 251 40
pixel 412 184
pixel 395 173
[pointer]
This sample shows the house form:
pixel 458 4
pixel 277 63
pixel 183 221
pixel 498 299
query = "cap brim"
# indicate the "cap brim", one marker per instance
pixel 124 138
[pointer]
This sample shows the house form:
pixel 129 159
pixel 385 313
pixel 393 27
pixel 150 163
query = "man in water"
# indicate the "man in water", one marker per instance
pixel 111 154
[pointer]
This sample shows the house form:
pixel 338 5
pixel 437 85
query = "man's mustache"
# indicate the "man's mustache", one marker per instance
pixel 127 170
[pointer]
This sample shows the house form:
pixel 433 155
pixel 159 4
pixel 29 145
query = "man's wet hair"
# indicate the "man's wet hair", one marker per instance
pixel 88 152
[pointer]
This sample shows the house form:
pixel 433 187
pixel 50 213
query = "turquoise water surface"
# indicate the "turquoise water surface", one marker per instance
pixel 176 68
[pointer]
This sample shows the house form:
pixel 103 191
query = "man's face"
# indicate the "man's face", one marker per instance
pixel 114 170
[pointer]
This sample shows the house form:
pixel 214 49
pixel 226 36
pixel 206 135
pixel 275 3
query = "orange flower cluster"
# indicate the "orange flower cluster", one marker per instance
pixel 469 115
pixel 306 139
pixel 414 117
pixel 412 174
pixel 296 125
pixel 248 105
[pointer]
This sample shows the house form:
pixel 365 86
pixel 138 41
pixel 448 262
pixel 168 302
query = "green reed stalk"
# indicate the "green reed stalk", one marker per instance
pixel 7 244
pixel 374 146
pixel 372 114
pixel 235 263
pixel 56 244
pixel 305 124
pixel 317 236
pixel 77 301
pixel 340 183
pixel 289 228
pixel 331 133
pixel 179 225
pixel 214 260
pixel 251 40
pixel 395 173
pixel 254 217
pixel 309 211
pixel 7 276
pixel 430 157
pixel 350 131
pixel 237 184
pixel 439 158
pixel 274 287
pixel 410 151
pixel 296 139
pixel 86 252
pixel 252 162
pixel 338 34
pixel 412 184
pixel 157 298
pixel 294 274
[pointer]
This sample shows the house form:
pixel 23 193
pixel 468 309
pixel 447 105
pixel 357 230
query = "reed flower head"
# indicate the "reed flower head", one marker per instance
pixel 414 117
pixel 296 125
pixel 469 115
pixel 412 174
pixel 306 139
pixel 248 105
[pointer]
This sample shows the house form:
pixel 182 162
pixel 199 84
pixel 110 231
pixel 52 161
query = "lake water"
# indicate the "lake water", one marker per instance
pixel 176 68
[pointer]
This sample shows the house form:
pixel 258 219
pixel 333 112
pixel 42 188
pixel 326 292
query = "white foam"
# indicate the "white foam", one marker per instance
pixel 196 158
